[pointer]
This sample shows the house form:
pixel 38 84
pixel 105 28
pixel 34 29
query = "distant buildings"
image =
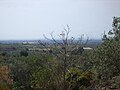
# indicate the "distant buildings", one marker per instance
pixel 87 48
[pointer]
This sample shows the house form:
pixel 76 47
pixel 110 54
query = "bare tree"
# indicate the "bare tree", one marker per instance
pixel 66 50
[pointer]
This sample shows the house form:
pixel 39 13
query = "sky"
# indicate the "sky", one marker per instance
pixel 30 19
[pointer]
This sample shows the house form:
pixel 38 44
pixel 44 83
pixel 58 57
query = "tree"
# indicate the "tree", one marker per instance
pixel 23 53
pixel 5 80
pixel 20 73
pixel 66 51
pixel 107 61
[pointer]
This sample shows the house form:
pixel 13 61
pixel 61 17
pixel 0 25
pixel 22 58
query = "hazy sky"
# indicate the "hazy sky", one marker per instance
pixel 30 19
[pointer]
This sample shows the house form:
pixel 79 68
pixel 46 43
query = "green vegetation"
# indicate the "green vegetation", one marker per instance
pixel 62 65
